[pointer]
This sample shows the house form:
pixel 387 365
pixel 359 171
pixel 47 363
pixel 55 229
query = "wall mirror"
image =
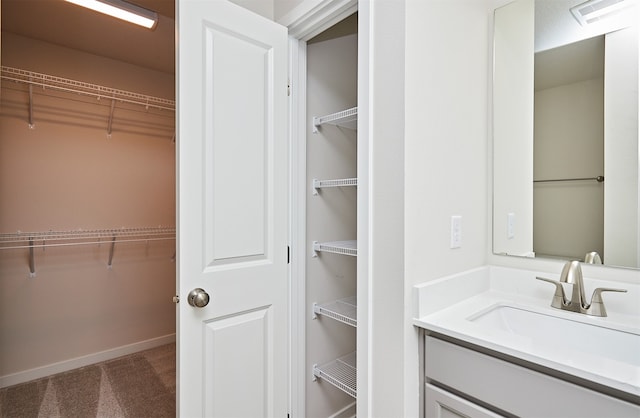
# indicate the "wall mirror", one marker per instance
pixel 565 131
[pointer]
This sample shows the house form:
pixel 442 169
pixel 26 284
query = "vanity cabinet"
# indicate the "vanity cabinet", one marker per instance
pixel 461 381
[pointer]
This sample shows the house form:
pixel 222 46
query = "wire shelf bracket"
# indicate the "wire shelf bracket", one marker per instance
pixel 29 240
pixel 319 184
pixel 336 247
pixel 31 125
pixel 341 373
pixel 341 310
pixel 344 118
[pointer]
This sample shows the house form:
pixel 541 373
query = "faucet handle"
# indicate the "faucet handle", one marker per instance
pixel 559 297
pixel 596 307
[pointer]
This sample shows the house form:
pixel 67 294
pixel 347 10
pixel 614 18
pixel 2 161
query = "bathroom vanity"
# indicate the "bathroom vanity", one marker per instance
pixel 491 345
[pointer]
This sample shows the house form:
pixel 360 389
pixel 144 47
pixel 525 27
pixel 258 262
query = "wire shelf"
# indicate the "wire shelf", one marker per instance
pixel 44 239
pixel 341 373
pixel 319 184
pixel 336 247
pixel 47 81
pixel 344 118
pixel 342 310
pixel 80 237
pixel 49 86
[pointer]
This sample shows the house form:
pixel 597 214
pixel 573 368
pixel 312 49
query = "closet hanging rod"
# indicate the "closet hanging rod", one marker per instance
pixel 599 179
pixel 47 81
pixel 34 244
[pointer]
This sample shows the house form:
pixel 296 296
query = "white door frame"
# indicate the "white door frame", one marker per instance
pixel 304 25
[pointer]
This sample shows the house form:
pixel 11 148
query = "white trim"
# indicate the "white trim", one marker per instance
pixel 364 333
pixel 298 169
pixel 315 16
pixel 74 363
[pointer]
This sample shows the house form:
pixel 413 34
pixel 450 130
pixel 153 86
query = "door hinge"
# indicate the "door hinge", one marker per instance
pixel 288 88
pixel 288 255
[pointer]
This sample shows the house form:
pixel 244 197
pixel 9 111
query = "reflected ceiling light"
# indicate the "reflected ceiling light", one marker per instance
pixel 121 10
pixel 596 10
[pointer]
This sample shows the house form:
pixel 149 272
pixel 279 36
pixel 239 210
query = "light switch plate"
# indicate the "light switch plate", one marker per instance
pixel 456 231
pixel 511 225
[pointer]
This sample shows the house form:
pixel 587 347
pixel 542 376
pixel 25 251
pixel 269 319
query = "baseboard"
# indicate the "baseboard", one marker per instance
pixel 66 365
pixel 348 411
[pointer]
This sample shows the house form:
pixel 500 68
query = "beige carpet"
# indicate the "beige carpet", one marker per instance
pixel 139 385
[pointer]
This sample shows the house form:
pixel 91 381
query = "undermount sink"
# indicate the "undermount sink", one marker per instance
pixel 559 331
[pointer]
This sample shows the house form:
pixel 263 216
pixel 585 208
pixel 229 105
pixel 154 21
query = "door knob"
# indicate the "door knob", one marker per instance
pixel 198 298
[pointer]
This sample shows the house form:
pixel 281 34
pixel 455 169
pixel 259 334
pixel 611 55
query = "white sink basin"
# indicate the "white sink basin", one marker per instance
pixel 564 333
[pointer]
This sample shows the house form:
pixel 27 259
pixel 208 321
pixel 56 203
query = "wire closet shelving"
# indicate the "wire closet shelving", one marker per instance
pixel 341 373
pixel 320 184
pixel 349 247
pixel 344 118
pixel 32 240
pixel 113 96
pixel 341 310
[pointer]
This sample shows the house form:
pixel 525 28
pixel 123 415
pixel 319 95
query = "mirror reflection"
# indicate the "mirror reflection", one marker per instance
pixel 566 175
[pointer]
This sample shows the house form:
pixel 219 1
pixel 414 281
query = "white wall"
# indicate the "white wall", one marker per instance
pixel 282 7
pixel 446 102
pixel 446 135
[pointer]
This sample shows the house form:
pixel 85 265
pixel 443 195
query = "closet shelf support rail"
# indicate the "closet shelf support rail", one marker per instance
pixel 30 240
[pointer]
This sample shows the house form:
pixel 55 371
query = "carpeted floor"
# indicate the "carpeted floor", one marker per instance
pixel 138 385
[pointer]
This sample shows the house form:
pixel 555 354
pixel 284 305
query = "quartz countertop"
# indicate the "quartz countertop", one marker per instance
pixel 448 306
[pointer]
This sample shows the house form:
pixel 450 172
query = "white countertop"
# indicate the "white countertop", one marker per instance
pixel 446 305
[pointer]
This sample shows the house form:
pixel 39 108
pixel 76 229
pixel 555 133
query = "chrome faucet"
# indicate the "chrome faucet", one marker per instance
pixel 572 274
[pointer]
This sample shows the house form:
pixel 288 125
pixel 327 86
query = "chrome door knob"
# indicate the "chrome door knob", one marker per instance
pixel 198 298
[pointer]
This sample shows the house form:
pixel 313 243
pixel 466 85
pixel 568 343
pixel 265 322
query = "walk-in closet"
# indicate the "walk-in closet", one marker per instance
pixel 87 201
pixel 331 220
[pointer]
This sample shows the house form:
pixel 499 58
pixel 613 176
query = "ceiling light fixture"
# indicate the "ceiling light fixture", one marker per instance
pixel 121 10
pixel 596 10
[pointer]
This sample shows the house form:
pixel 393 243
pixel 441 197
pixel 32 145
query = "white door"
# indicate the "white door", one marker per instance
pixel 232 212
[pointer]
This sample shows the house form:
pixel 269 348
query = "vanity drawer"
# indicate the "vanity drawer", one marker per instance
pixel 507 387
pixel 443 404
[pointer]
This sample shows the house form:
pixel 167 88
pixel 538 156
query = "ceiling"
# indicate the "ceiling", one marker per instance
pixel 65 24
